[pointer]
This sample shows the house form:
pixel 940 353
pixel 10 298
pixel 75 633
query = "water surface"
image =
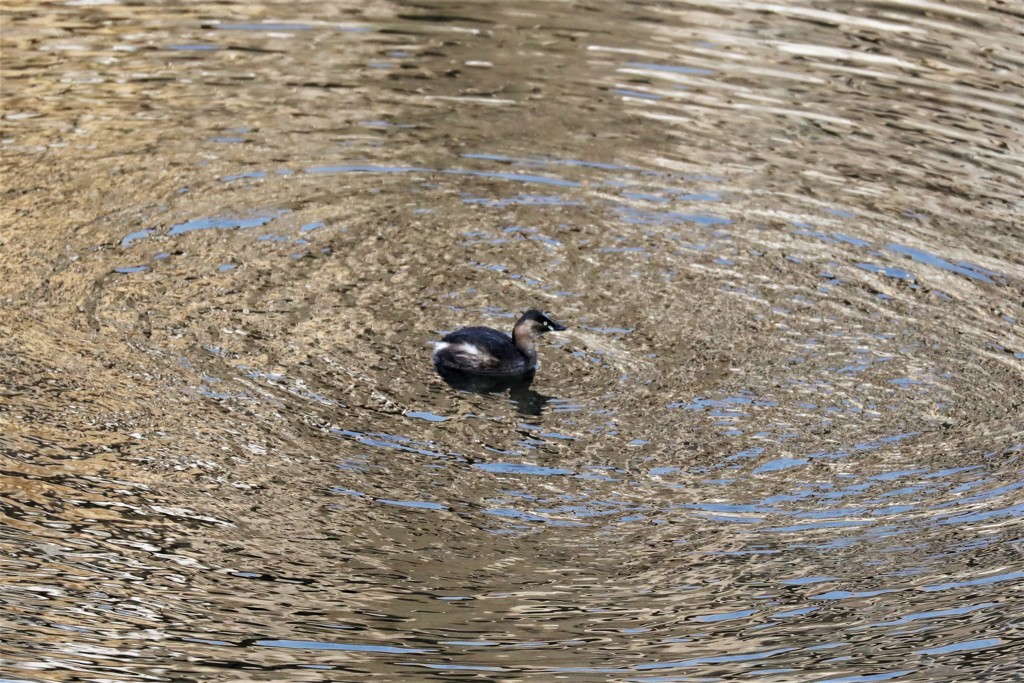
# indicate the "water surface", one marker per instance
pixel 782 440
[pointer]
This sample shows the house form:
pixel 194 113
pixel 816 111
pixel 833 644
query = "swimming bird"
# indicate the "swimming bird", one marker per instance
pixel 488 352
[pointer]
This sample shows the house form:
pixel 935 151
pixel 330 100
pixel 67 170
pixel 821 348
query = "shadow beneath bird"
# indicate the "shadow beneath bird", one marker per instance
pixel 527 401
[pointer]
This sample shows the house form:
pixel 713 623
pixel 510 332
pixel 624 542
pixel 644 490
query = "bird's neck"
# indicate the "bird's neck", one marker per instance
pixel 523 339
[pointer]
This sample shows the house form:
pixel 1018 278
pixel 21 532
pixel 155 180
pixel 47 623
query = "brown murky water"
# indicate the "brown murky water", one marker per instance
pixel 782 441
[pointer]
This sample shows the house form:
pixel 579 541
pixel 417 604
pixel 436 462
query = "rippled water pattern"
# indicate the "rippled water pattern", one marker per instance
pixel 782 440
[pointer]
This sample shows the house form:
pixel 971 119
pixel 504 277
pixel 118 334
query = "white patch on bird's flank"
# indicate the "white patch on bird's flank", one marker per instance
pixel 470 348
pixel 461 347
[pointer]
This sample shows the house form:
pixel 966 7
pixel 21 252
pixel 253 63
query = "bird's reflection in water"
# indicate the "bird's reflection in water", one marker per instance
pixel 528 401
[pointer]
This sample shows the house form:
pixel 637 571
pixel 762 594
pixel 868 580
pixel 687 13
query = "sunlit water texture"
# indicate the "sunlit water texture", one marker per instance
pixel 781 441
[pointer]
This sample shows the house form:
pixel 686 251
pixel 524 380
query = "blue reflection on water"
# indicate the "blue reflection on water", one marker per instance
pixel 961 647
pixel 415 504
pixel 889 271
pixel 345 647
pixel 780 464
pixel 228 222
pixel 921 256
pixel 520 468
pixel 132 237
